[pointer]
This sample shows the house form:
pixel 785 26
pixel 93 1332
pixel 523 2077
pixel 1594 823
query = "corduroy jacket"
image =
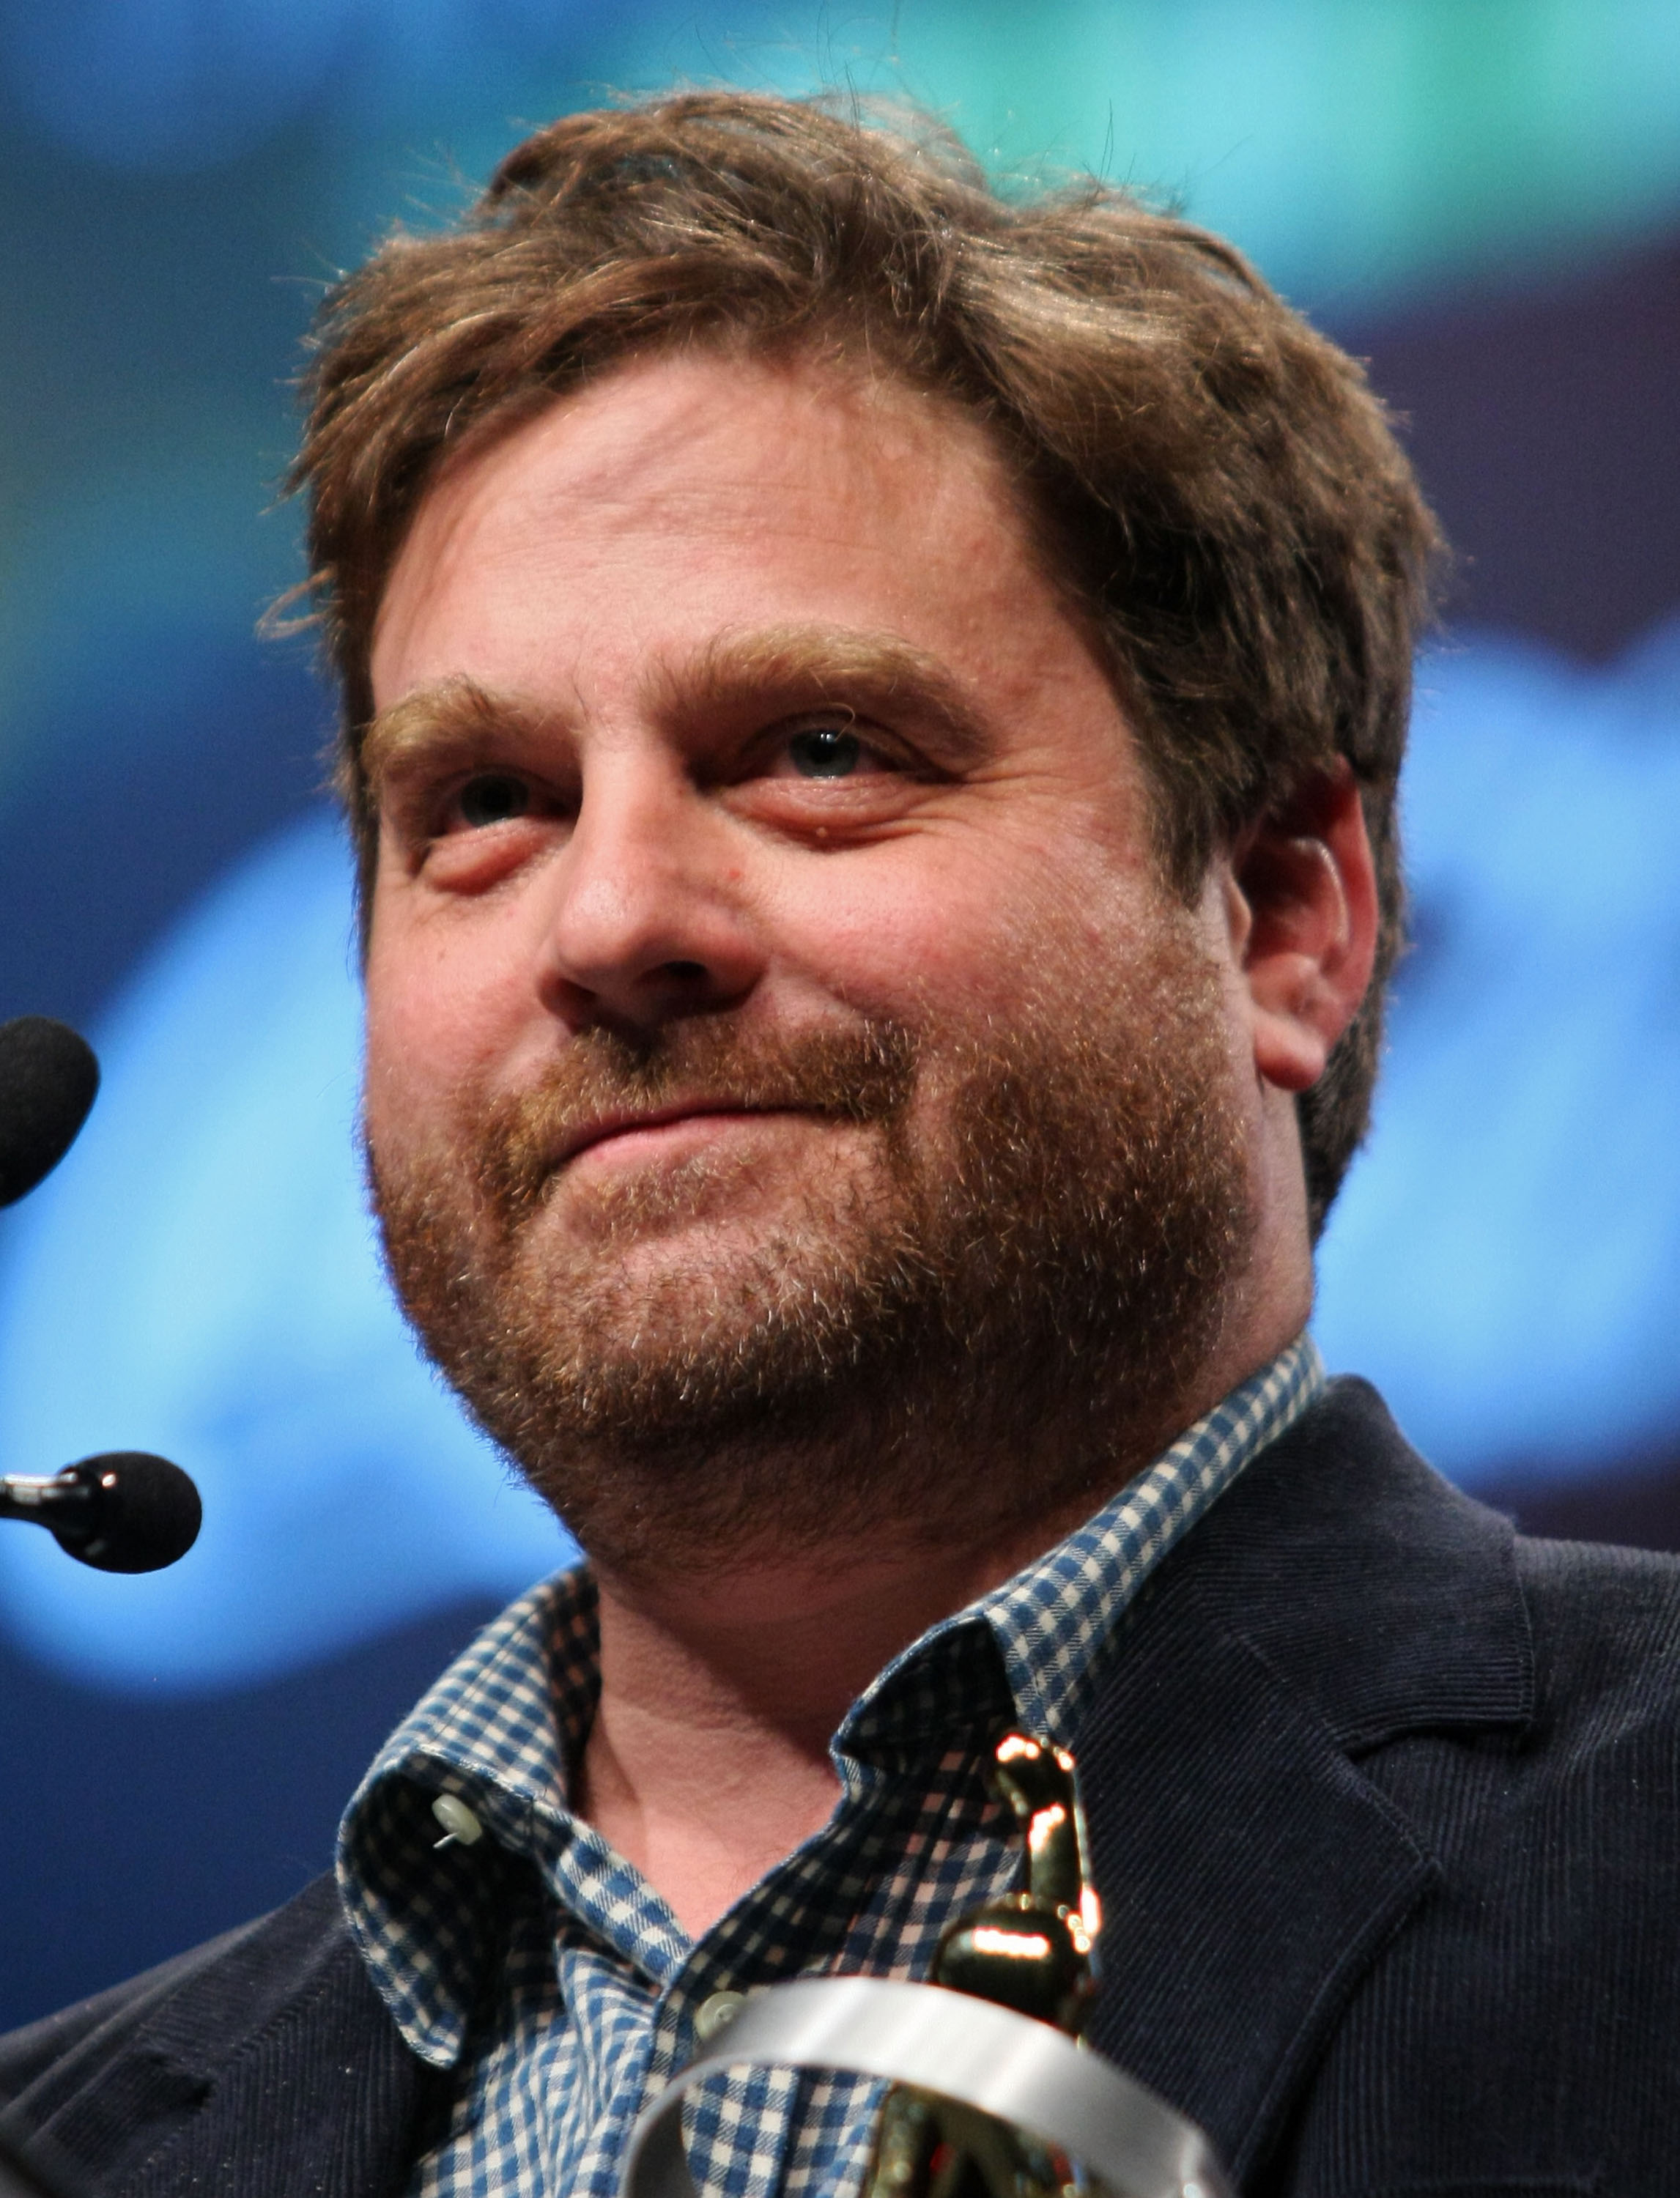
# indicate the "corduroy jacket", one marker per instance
pixel 1385 1813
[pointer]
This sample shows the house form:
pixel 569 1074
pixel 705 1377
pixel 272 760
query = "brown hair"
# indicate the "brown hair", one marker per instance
pixel 1214 480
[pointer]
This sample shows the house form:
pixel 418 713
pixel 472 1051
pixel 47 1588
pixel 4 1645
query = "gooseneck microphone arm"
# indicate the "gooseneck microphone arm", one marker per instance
pixel 124 1511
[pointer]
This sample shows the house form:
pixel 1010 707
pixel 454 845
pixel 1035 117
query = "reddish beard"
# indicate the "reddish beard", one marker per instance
pixel 984 1303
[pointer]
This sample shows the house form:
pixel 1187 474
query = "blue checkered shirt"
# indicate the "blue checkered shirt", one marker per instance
pixel 547 1973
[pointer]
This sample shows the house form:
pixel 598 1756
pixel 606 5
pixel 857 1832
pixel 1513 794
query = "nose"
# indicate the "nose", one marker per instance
pixel 649 919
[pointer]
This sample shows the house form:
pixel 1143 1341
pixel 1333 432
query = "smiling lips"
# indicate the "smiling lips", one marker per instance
pixel 607 1126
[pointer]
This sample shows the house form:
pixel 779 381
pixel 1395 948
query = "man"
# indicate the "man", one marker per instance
pixel 872 723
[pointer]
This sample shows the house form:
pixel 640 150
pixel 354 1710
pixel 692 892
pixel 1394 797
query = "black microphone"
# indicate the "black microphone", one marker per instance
pixel 48 1079
pixel 124 1511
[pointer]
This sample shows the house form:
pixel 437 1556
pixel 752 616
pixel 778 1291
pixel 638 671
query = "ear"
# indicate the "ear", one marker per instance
pixel 1303 909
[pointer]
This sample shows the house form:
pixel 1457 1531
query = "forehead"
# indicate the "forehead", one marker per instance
pixel 683 496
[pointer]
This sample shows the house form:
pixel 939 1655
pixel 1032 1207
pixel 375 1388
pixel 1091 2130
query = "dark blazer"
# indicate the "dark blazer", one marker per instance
pixel 1384 1807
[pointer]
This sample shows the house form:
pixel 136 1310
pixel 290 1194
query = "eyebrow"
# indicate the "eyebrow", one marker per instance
pixel 775 668
pixel 426 730
pixel 794 667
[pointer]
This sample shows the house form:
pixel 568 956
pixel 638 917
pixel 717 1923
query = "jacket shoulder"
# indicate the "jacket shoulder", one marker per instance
pixel 1521 2019
pixel 109 2016
pixel 263 2059
pixel 1605 1625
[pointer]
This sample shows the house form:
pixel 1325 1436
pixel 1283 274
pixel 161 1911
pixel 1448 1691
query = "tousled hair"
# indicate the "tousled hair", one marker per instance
pixel 1213 481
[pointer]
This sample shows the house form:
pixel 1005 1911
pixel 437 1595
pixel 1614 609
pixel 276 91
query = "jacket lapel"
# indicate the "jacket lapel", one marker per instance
pixel 1339 1596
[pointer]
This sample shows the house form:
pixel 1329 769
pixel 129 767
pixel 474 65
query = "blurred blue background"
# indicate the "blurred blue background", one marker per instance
pixel 1480 196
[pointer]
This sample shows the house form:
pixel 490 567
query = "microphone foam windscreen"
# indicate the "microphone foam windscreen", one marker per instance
pixel 48 1079
pixel 146 1513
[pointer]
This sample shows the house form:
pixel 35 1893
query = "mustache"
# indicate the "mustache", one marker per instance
pixel 861 1073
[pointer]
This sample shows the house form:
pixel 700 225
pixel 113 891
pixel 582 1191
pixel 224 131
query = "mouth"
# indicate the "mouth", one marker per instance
pixel 607 1129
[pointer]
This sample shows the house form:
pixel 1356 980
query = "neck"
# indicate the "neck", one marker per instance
pixel 708 1759
pixel 722 1686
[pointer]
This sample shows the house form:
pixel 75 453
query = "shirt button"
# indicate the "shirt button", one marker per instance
pixel 716 2014
pixel 457 1820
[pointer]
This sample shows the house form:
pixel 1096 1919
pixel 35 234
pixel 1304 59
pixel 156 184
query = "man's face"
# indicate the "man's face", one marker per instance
pixel 776 1021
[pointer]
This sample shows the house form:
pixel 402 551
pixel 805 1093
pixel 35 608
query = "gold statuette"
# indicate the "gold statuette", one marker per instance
pixel 990 2095
pixel 1033 1951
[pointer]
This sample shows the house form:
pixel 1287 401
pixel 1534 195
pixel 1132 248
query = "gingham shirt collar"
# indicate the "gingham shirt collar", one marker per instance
pixel 504 1720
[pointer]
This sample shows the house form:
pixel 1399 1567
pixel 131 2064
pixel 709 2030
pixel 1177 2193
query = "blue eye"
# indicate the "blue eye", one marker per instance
pixel 492 799
pixel 825 752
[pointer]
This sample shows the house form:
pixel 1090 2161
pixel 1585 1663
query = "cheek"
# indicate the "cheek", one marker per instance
pixel 395 1062
pixel 966 934
pixel 886 940
pixel 433 1022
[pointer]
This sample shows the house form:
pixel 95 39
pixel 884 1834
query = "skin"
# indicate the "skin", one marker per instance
pixel 665 585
